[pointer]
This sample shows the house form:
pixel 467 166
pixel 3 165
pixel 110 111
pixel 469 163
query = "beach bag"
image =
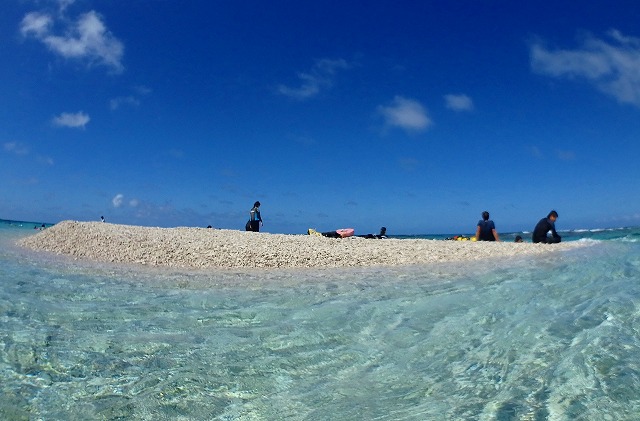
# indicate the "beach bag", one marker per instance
pixel 247 226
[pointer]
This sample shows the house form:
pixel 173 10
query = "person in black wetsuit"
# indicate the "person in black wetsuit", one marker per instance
pixel 543 227
pixel 486 230
pixel 383 234
pixel 255 219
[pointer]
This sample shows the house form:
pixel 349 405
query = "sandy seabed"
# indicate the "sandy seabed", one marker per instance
pixel 218 248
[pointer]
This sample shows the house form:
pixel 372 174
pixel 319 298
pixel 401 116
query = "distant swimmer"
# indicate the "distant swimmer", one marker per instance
pixel 543 227
pixel 519 239
pixel 486 230
pixel 102 218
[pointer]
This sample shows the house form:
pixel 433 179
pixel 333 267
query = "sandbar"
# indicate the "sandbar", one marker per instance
pixel 189 247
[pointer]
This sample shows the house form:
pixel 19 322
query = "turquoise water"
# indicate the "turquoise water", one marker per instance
pixel 542 338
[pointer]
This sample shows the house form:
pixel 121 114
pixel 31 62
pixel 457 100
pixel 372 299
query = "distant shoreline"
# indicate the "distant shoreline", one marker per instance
pixel 25 223
pixel 216 248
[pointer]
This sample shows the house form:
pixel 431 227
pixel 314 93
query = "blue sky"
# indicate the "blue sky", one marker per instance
pixel 413 115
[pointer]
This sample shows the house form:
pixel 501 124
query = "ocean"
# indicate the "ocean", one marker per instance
pixel 552 337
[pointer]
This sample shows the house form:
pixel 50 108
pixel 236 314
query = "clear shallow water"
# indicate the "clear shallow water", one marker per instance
pixel 545 338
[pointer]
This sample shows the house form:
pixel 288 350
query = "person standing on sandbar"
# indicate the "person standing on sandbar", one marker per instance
pixel 256 220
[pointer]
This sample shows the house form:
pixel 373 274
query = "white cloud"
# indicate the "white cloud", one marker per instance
pixel 407 114
pixel 320 76
pixel 87 39
pixel 459 102
pixel 117 200
pixel 142 90
pixel 612 66
pixel 64 4
pixel 45 160
pixel 115 103
pixel 78 119
pixel 16 148
pixel 36 24
pixel 130 100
